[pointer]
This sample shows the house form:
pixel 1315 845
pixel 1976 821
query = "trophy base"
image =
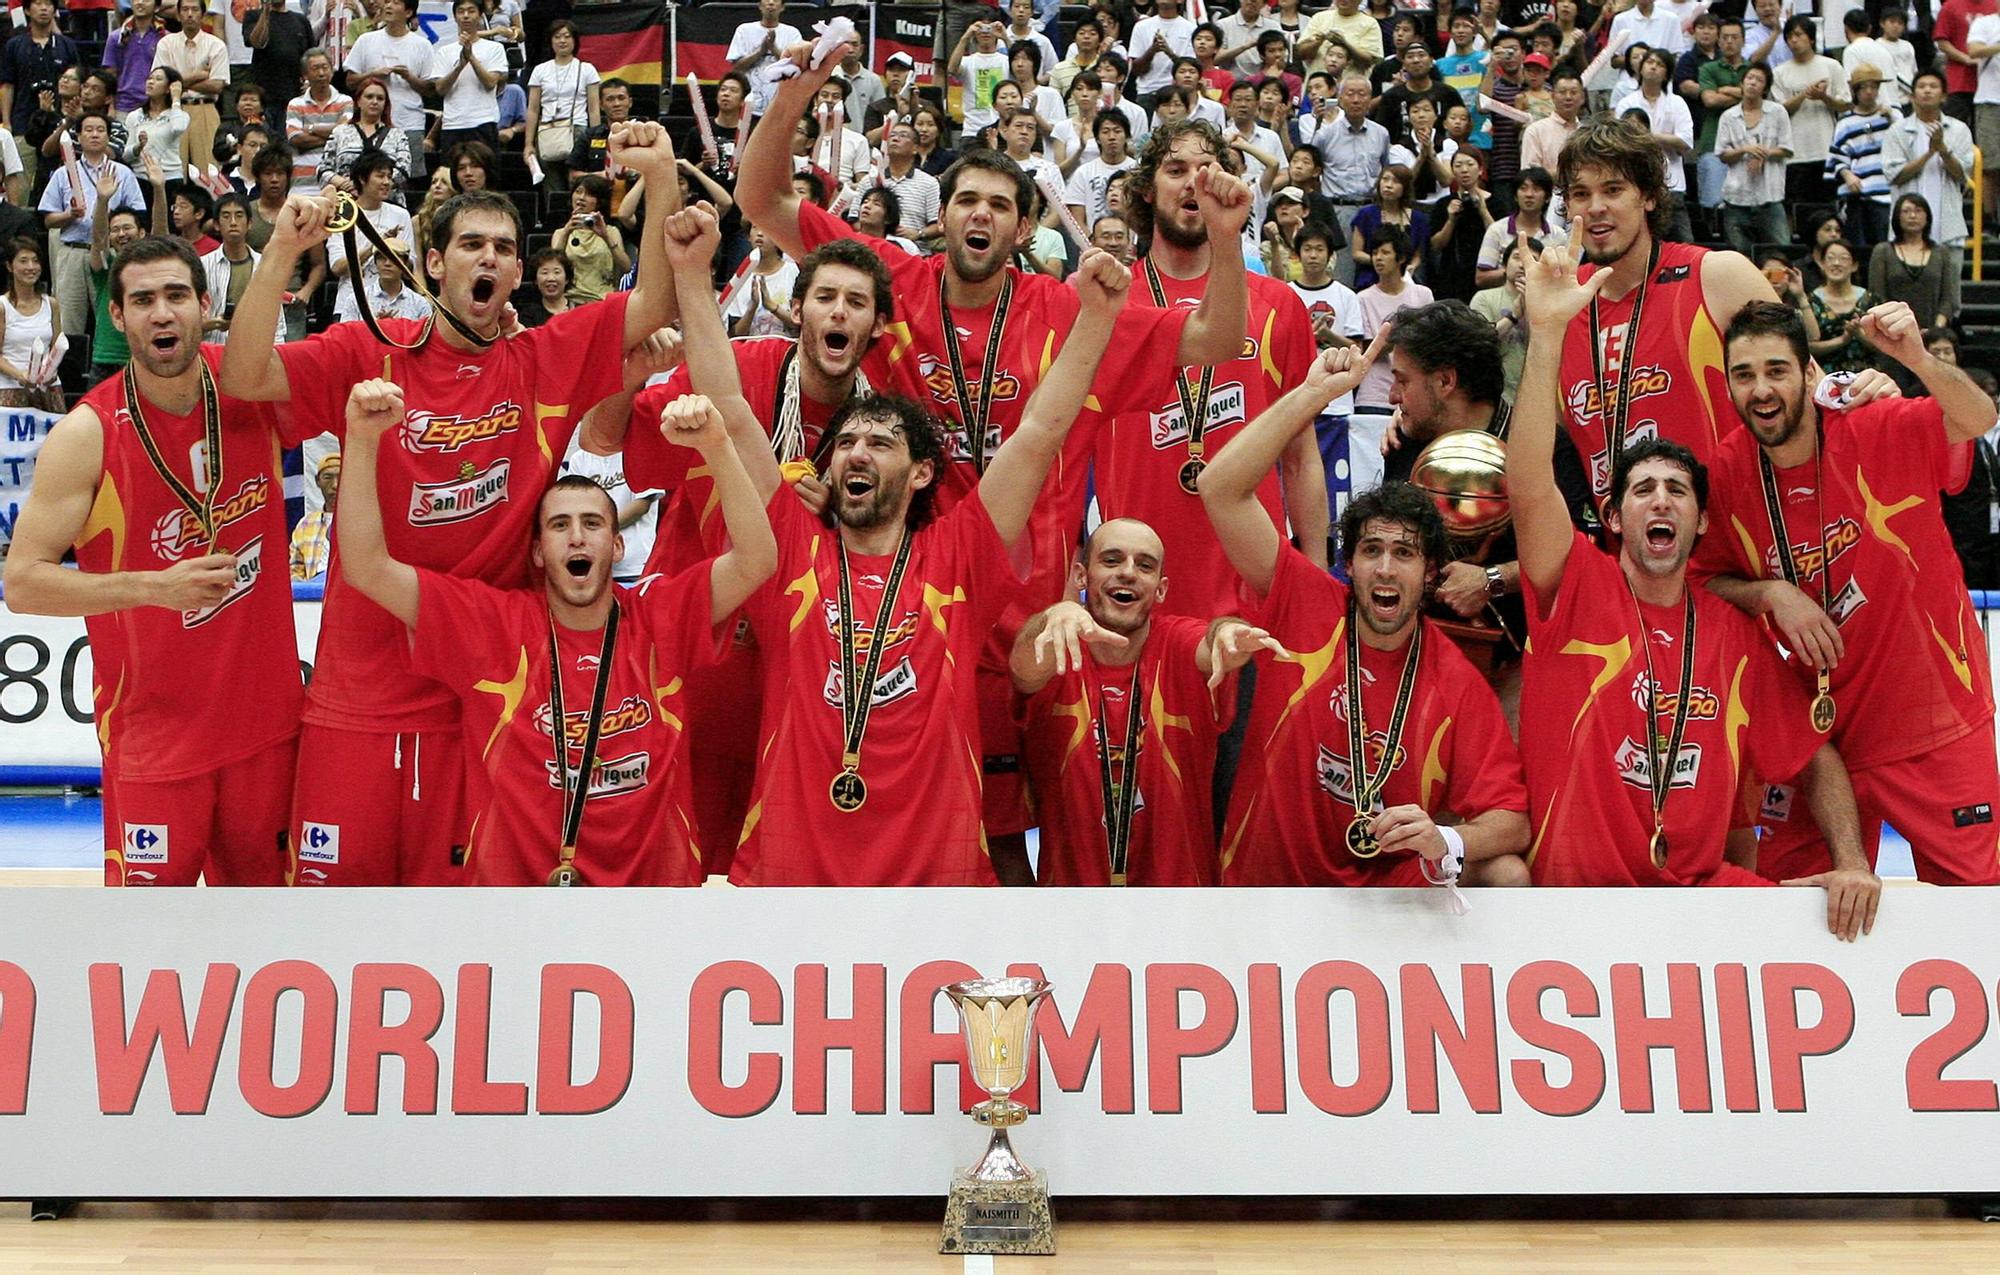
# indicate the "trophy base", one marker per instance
pixel 999 1217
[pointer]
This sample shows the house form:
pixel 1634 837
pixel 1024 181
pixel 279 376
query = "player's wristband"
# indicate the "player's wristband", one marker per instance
pixel 1449 868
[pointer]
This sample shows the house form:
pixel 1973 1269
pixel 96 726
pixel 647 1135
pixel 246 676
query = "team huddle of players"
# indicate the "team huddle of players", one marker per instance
pixel 869 651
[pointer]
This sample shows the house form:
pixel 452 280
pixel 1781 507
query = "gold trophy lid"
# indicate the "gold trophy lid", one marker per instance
pixel 985 991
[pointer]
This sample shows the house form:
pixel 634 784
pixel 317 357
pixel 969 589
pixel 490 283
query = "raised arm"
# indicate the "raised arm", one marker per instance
pixel 1229 484
pixel 1014 479
pixel 251 368
pixel 764 169
pixel 692 421
pixel 644 147
pixel 54 518
pixel 373 407
pixel 691 238
pixel 602 430
pixel 1542 530
pixel 1894 329
pixel 1051 643
pixel 1214 332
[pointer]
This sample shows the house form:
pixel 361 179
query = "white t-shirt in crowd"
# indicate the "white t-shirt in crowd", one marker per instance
pixel 1179 33
pixel 1087 185
pixel 746 41
pixel 1985 29
pixel 1338 300
pixel 470 103
pixel 376 51
pixel 978 75
pixel 565 91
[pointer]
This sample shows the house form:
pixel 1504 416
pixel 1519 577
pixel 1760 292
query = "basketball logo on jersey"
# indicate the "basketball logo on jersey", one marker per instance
pixel 145 843
pixel 1703 705
pixel 178 533
pixel 425 432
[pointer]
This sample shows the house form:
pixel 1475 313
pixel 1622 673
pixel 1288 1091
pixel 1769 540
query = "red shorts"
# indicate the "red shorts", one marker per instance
pixel 1006 808
pixel 379 809
pixel 225 826
pixel 1944 802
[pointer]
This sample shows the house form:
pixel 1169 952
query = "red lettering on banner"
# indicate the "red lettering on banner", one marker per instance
pixel 1102 1025
pixel 1923 1076
pixel 765 1072
pixel 1168 1043
pixel 815 1034
pixel 1791 1043
pixel 1474 1050
pixel 1739 1043
pixel 1267 1040
pixel 1370 1088
pixel 17 1037
pixel 922 1048
pixel 122 1059
pixel 557 1092
pixel 370 1039
pixel 1524 1014
pixel 473 1091
pixel 1683 1030
pixel 257 1063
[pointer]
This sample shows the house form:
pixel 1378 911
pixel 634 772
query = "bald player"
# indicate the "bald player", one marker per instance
pixel 1122 707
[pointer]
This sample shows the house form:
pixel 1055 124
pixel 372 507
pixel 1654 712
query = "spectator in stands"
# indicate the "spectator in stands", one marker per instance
pixel 1901 71
pixel 202 63
pixel 898 98
pixel 934 156
pixel 312 539
pixel 755 45
pixel 1982 42
pixel 916 191
pixel 70 213
pixel 1504 85
pixel 1813 90
pixel 93 95
pixel 1344 18
pixel 980 66
pixel 512 126
pixel 1673 128
pixel 1087 192
pixel 1468 211
pixel 1927 153
pixel 1705 47
pixel 614 97
pixel 114 229
pixel 1654 25
pixel 1238 33
pixel 129 53
pixel 229 137
pixel 373 179
pixel 563 106
pixel 401 57
pixel 271 174
pixel 31 62
pixel 761 305
pixel 1355 150
pixel 28 327
pixel 228 267
pixel 1111 72
pixel 189 209
pixel 466 72
pixel 48 119
pixel 1754 139
pixel 252 143
pixel 1392 111
pixel 1392 207
pixel 472 166
pixel 550 278
pixel 160 126
pixel 1721 81
pixel 1533 215
pixel 1502 305
pixel 311 118
pixel 1913 267
pixel 1391 292
pixel 879 215
pixel 370 132
pixel 1855 158
pixel 1082 56
pixel 1973 512
pixel 1832 310
pixel 1961 70
pixel 591 241
pixel 1820 230
pixel 1025 65
pixel 1111 233
pixel 500 22
pixel 278 40
pixel 1046 252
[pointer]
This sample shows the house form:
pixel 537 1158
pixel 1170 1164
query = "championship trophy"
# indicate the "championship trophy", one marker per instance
pixel 999 1205
pixel 1464 473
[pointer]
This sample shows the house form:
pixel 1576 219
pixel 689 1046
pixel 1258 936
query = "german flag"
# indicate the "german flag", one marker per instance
pixel 623 41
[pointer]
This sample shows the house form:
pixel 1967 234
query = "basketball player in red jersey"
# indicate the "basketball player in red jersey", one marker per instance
pixel 1326 795
pixel 1147 458
pixel 380 794
pixel 1122 708
pixel 869 771
pixel 623 655
pixel 841 301
pixel 1828 523
pixel 172 497
pixel 1647 698
pixel 1006 326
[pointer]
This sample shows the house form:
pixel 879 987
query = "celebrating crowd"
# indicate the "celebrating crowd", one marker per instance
pixel 1276 309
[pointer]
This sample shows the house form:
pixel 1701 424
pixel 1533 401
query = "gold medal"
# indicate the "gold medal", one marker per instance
pixel 1191 475
pixel 566 875
pixel 1663 748
pixel 1659 848
pixel 576 790
pixel 1368 789
pixel 1823 712
pixel 847 792
pixel 1361 843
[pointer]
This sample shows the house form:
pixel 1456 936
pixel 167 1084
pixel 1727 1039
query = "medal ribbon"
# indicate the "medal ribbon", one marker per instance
pixel 1119 798
pixel 202 507
pixel 417 281
pixel 788 432
pixel 1774 509
pixel 1368 788
pixel 1660 772
pixel 1619 395
pixel 857 687
pixel 1194 402
pixel 574 795
pixel 974 421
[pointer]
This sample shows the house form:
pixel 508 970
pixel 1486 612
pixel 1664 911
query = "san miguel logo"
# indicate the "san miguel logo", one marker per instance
pixel 1840 537
pixel 178 532
pixel 633 712
pixel 425 432
pixel 468 495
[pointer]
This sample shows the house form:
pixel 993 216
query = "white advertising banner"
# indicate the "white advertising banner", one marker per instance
pixel 21 432
pixel 210 1043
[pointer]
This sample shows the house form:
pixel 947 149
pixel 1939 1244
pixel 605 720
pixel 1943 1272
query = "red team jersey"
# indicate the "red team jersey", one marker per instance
pixel 1915 676
pixel 1680 389
pixel 920 759
pixel 1172 840
pixel 1584 724
pixel 1294 794
pixel 180 693
pixel 459 481
pixel 491 648
pixel 1140 452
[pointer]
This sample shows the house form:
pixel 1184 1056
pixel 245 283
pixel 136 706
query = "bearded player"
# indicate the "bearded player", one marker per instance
pixel 1376 754
pixel 1005 327
pixel 380 797
pixel 1646 699
pixel 1827 522
pixel 1148 457
pixel 1122 708
pixel 171 496
pixel 623 656
pixel 868 773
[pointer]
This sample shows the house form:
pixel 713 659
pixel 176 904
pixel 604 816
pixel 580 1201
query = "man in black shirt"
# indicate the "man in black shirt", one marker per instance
pixel 278 40
pixel 1393 111
pixel 31 62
